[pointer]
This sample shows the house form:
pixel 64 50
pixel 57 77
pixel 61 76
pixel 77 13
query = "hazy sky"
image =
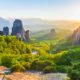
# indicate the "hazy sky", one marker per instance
pixel 45 9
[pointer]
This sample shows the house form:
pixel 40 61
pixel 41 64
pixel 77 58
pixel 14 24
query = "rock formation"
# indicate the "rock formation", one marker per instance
pixel 22 76
pixel 19 31
pixel 51 34
pixel 5 31
pixel 27 35
pixel 76 36
pixel 1 33
pixel 52 31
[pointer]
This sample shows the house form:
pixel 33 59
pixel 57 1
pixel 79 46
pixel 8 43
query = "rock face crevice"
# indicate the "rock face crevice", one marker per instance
pixel 19 32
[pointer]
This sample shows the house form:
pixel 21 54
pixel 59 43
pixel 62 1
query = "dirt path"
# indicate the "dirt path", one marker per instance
pixel 54 76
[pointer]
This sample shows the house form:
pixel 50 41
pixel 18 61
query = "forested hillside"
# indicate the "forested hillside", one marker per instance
pixel 18 56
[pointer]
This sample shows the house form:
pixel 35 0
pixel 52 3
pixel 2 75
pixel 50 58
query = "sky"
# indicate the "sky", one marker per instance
pixel 44 9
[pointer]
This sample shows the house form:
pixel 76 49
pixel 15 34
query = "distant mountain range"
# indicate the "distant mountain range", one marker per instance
pixel 34 24
pixel 31 24
pixel 3 22
pixel 39 24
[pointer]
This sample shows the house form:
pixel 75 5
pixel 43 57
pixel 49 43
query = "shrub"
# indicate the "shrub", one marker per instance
pixel 6 60
pixel 17 68
pixel 74 74
pixel 65 59
pixel 27 65
pixel 37 65
pixel 40 64
pixel 62 69
pixel 49 69
pixel 77 66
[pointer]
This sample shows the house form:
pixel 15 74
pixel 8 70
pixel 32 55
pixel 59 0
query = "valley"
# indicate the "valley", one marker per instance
pixel 54 52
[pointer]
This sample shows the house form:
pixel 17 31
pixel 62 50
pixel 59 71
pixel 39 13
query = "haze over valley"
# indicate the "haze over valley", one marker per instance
pixel 36 24
pixel 39 39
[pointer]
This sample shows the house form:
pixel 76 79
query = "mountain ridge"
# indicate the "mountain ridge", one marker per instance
pixel 35 24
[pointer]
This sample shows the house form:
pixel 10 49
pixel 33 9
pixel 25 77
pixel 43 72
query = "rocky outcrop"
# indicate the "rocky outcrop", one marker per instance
pixel 27 35
pixel 1 33
pixel 51 34
pixel 19 31
pixel 76 36
pixel 5 31
pixel 17 27
pixel 22 76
